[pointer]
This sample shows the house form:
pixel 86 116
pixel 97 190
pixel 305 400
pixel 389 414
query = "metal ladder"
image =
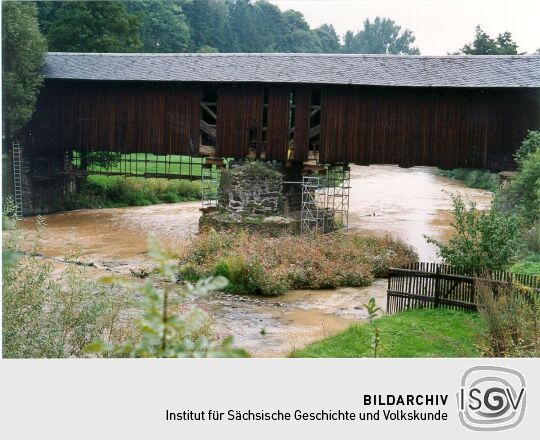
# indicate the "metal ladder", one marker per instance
pixel 17 178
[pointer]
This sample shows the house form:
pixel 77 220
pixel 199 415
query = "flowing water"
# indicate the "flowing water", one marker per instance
pixel 405 203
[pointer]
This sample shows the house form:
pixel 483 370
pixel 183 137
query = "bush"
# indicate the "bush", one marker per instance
pixel 99 192
pixel 481 240
pixel 47 318
pixel 65 315
pixel 244 276
pixel 271 266
pixel 530 144
pixel 512 320
pixel 474 178
pixel 522 196
pixel 528 266
pixel 9 214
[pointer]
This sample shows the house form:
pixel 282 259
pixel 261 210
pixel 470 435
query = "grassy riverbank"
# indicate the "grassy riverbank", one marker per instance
pixel 254 264
pixel 101 191
pixel 116 192
pixel 413 333
pixel 473 178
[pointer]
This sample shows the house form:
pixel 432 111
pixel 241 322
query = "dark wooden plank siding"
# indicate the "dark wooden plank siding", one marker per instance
pixel 277 133
pixel 301 126
pixel 239 112
pixel 448 128
pixel 117 117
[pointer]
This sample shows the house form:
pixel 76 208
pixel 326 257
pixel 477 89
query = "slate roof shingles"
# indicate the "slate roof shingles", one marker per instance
pixel 377 70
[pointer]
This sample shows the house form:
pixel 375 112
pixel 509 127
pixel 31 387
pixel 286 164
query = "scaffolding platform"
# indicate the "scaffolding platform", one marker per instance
pixel 210 177
pixel 325 198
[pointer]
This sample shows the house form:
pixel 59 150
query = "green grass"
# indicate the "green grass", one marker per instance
pixel 413 333
pixel 474 178
pixel 141 163
pixel 115 192
pixel 102 191
pixel 528 266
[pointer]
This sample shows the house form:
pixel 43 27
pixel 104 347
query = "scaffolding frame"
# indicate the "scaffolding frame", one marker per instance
pixel 210 178
pixel 338 184
pixel 325 199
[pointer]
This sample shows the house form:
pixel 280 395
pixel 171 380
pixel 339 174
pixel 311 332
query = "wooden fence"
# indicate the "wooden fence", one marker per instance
pixel 432 285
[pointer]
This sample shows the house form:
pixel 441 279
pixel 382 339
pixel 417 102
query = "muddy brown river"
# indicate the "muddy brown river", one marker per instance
pixel 405 203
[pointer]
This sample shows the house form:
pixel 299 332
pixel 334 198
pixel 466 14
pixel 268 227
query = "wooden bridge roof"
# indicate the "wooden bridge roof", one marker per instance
pixel 372 70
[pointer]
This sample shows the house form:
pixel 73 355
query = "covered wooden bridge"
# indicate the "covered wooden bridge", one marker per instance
pixel 443 111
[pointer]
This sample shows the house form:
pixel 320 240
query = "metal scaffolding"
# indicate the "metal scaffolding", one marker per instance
pixel 338 185
pixel 325 199
pixel 210 177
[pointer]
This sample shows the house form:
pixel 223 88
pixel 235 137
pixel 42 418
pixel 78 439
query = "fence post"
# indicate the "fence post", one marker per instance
pixel 388 290
pixel 437 287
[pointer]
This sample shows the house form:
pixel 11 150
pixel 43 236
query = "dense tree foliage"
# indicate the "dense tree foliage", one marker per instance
pixel 164 26
pixel 483 44
pixel 206 26
pixel 481 240
pixel 328 39
pixel 523 193
pixel 210 26
pixel 381 36
pixel 22 52
pixel 99 26
pixel 242 17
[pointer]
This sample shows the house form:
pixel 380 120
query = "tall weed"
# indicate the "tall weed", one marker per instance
pixel 512 320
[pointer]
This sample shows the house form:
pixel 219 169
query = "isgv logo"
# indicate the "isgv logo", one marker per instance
pixel 491 398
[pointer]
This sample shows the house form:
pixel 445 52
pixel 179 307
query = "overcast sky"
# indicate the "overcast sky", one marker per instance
pixel 440 26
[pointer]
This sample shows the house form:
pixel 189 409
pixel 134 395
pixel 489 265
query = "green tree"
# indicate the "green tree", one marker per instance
pixel 23 47
pixel 99 26
pixel 530 144
pixel 242 18
pixel 483 44
pixel 348 42
pixel 382 35
pixel 207 49
pixel 481 240
pixel 522 196
pixel 164 26
pixel 46 14
pixel 269 23
pixel 209 25
pixel 328 38
pixel 296 34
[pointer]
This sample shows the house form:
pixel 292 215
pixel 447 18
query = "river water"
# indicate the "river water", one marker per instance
pixel 405 203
